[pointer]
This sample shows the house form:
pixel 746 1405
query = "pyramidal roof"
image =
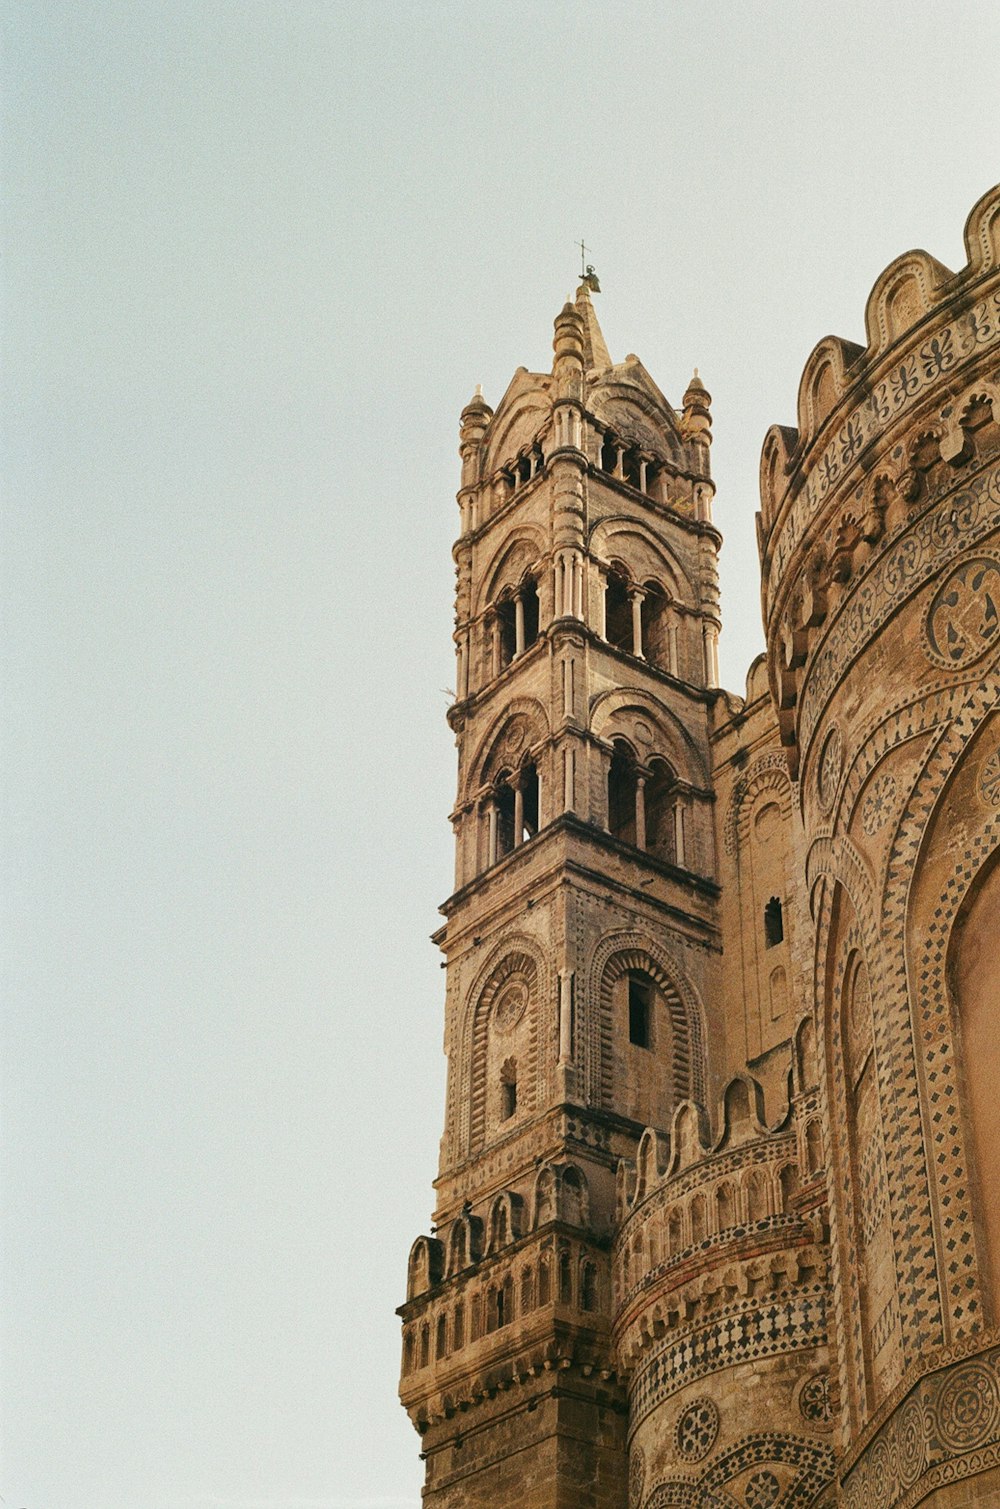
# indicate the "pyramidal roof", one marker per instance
pixel 595 350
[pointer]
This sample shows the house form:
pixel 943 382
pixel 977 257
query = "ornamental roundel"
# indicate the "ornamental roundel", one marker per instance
pixel 814 1400
pixel 963 619
pixel 831 761
pixel 910 1442
pixel 880 1473
pixel 762 1490
pixel 697 1429
pixel 967 1407
pixel 989 780
pixel 636 1476
pixel 878 804
pixel 509 1010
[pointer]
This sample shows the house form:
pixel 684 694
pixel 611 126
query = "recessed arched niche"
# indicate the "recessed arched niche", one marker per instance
pixel 974 973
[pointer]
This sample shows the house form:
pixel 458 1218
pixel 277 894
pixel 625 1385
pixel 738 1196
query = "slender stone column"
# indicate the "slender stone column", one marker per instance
pixel 492 820
pixel 569 774
pixel 679 847
pixel 672 657
pixel 518 808
pixel 640 812
pixel 636 597
pixel 565 1015
pixel 518 625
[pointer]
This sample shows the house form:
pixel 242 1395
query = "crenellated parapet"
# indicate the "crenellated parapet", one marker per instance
pixel 849 499
pixel 502 1298
pixel 720 1274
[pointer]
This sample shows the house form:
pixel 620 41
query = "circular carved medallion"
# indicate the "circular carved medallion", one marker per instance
pixel 830 763
pixel 762 1490
pixel 880 1473
pixel 989 780
pixel 910 1442
pixel 967 1407
pixel 878 804
pixel 636 1477
pixel 697 1429
pixel 814 1400
pixel 963 620
pixel 509 1010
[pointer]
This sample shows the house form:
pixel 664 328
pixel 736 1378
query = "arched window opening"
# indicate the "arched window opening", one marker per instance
pixel 529 802
pixel 504 802
pixel 673 1232
pixel 441 1341
pixel 640 1009
pixel 565 1277
pixel 656 626
pixel 500 1306
pixel 622 783
pixel 632 468
pixel 609 453
pixel 408 1352
pixel 698 1222
pixel 814 1147
pixel 425 1344
pixel 507 630
pixel 774 925
pixel 529 608
pixel 544 1283
pixel 508 1093
pixel 524 468
pixel 458 1327
pixel 660 796
pixel 588 1288
pixel 618 613
pixel 788 1181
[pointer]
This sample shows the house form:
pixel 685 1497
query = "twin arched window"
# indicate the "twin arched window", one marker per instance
pixel 644 805
pixel 512 810
pixel 515 624
pixel 638 620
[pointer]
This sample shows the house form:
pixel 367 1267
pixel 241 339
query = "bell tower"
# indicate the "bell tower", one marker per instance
pixel 582 940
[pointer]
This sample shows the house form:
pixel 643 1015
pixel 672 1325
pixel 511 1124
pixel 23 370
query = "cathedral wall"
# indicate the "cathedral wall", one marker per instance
pixel 880 536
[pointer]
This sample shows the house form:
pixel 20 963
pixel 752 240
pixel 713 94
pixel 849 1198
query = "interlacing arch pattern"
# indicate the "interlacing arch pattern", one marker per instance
pixel 614 958
pixel 812 1464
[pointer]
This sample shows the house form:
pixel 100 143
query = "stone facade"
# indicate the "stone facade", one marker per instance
pixel 715 1220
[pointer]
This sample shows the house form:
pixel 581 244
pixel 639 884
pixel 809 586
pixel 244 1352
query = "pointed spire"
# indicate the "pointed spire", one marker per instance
pixel 595 352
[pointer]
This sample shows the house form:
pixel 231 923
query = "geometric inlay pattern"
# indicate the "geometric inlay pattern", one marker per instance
pixel 814 1400
pixel 738 1334
pixel 963 619
pixel 697 1430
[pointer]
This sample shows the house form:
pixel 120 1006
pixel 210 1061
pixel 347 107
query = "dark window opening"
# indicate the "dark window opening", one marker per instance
pixel 640 1003
pixel 621 794
pixel 655 624
pixel 618 613
pixel 774 926
pixel 508 1090
pixel 505 818
pixel 660 797
pixel 458 1329
pixel 441 1345
pixel 529 599
pixel 529 797
pixel 609 455
pixel 588 1298
pixel 507 622
pixel 631 468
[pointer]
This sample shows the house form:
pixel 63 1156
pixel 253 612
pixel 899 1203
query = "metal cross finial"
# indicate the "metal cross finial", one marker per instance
pixel 583 258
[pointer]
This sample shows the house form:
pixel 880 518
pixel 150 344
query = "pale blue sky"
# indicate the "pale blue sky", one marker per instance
pixel 257 257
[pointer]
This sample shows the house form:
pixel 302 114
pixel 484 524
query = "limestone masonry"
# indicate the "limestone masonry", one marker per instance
pixel 718 1206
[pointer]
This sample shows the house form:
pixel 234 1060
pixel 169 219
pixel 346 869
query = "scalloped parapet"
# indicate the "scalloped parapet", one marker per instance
pixel 880 427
